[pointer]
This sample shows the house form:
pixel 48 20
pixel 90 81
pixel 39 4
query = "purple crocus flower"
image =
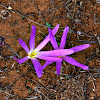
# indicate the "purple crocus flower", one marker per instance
pixel 35 53
pixel 66 58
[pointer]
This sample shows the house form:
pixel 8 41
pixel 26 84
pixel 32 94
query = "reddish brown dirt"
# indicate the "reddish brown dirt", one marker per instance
pixel 19 81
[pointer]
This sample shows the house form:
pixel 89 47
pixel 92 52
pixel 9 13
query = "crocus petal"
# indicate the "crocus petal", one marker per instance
pixel 37 67
pixel 59 52
pixel 79 48
pixel 53 40
pixel 23 44
pixel 74 62
pixel 32 38
pixel 46 64
pixel 58 67
pixel 64 36
pixel 53 59
pixel 47 39
pixel 20 61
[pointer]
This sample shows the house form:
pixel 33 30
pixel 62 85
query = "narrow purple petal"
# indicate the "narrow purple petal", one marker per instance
pixel 23 44
pixel 46 64
pixel 59 52
pixel 64 36
pixel 54 31
pixel 58 67
pixel 32 38
pixel 74 62
pixel 53 40
pixel 53 59
pixel 81 47
pixel 20 61
pixel 37 67
pixel 47 39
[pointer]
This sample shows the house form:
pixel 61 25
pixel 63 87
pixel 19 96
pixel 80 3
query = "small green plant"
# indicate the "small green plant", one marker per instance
pixel 23 17
pixel 47 24
pixel 30 90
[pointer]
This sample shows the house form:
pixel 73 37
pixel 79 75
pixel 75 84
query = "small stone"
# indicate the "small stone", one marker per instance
pixel 9 8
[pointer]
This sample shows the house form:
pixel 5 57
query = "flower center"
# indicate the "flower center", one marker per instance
pixel 60 56
pixel 33 54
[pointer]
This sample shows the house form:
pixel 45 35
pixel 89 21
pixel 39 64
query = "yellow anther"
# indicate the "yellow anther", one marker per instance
pixel 59 56
pixel 33 54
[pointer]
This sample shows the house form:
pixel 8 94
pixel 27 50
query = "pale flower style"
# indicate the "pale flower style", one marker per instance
pixel 35 53
pixel 66 58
